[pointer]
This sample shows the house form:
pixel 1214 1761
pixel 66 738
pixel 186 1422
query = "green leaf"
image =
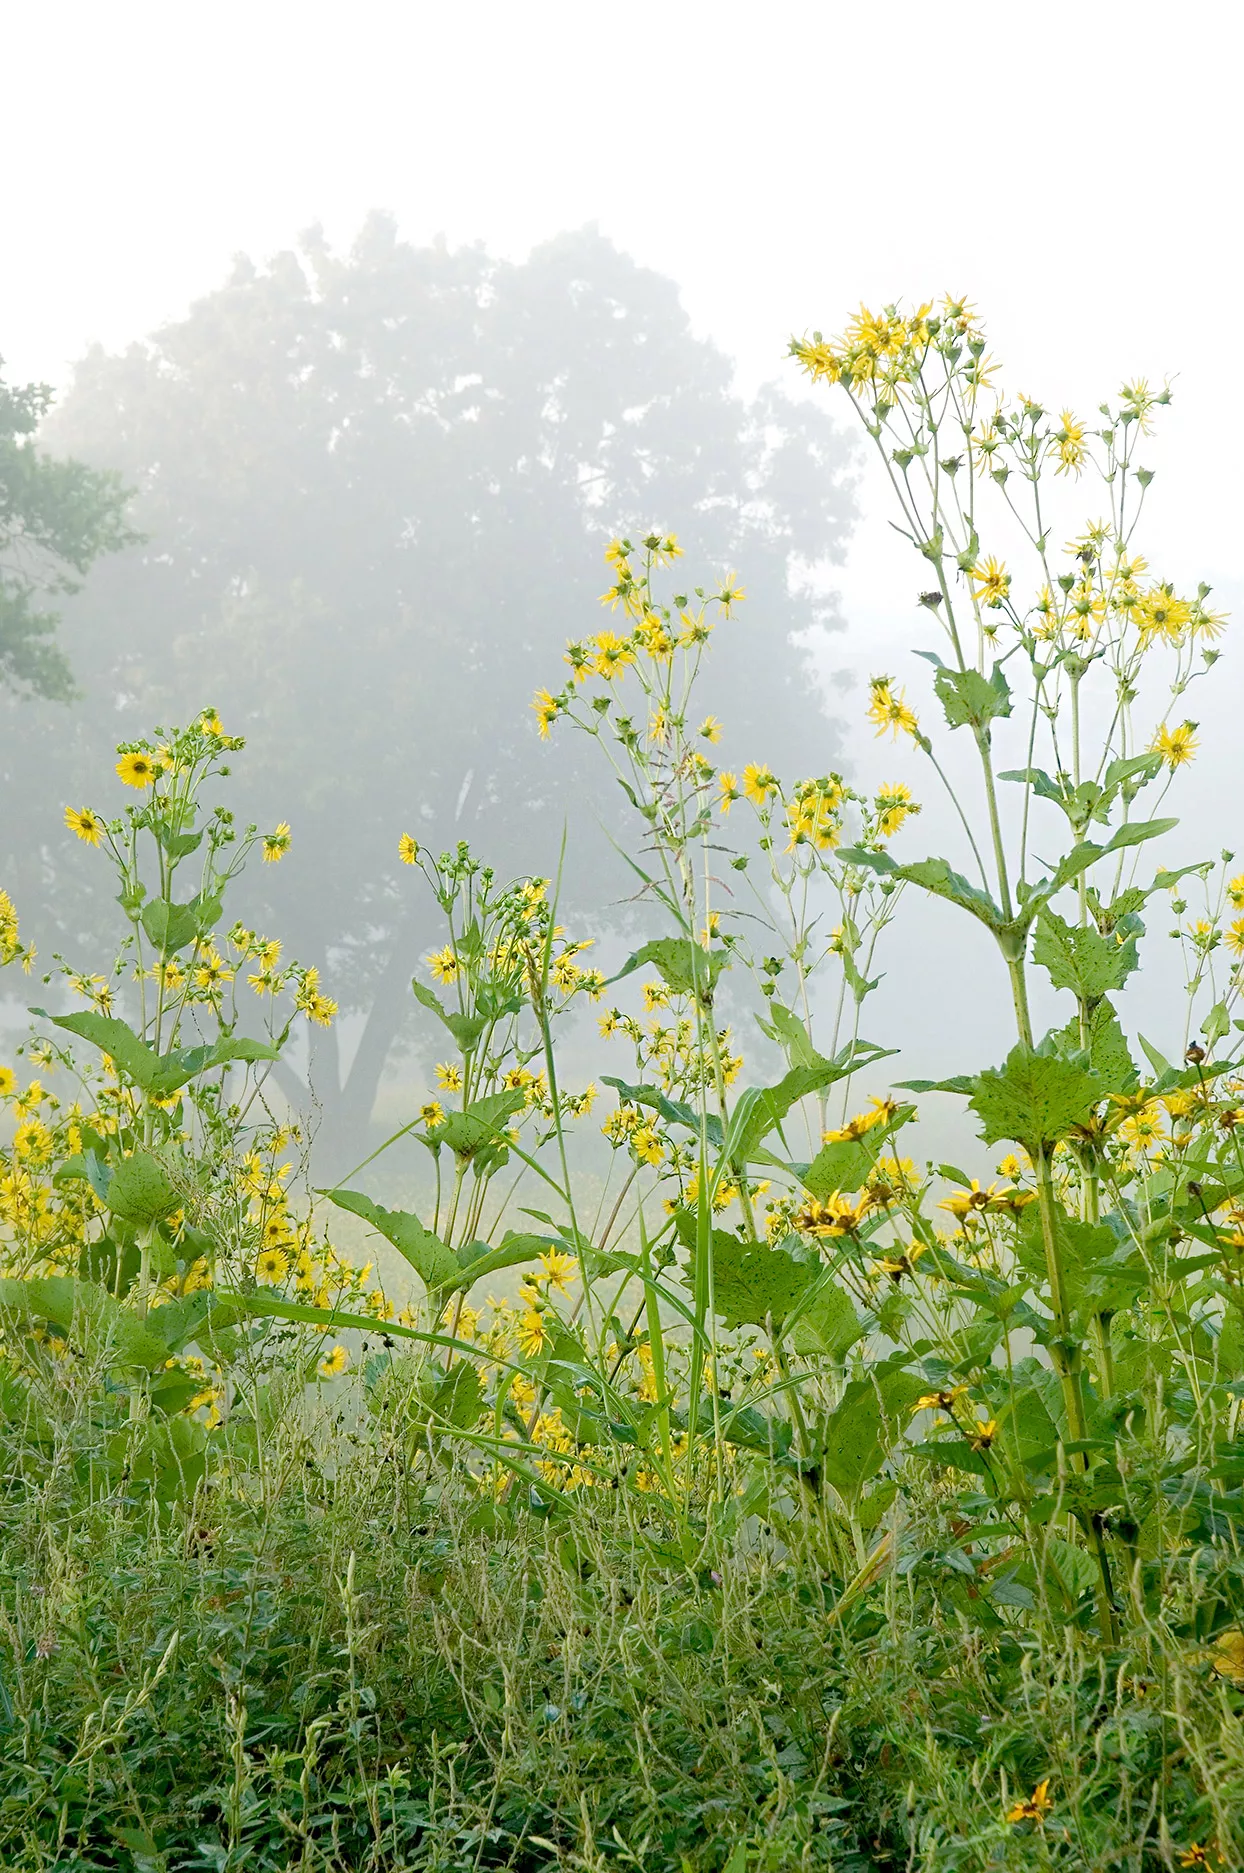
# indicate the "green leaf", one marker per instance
pixel 480 1128
pixel 785 1027
pixel 477 1259
pixel 931 874
pixel 436 1266
pixel 827 1325
pixel 87 1315
pixel 133 1057
pixel 843 1165
pixel 867 1424
pixel 1035 1098
pixel 673 1111
pixel 140 1190
pixel 169 927
pixel 178 1067
pixel 1108 1051
pixel 753 1283
pixel 466 1029
pixel 680 963
pixel 1039 781
pixel 761 1108
pixel 1135 832
pixel 968 697
pixel 1081 960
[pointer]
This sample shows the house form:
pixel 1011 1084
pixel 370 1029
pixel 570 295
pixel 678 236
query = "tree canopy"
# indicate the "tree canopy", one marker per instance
pixel 374 489
pixel 56 518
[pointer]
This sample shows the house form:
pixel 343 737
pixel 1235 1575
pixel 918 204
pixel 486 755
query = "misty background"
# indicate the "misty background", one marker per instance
pixel 391 318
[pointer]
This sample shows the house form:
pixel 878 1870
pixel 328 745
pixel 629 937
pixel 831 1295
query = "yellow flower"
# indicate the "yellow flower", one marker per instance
pixel 276 844
pixel 729 785
pixel 1160 614
pixel 8 1081
pixel 209 723
pixel 449 1076
pixel 887 709
pixel 533 1335
pixel 1034 1808
pixel 1233 937
pixel 87 825
pixel 272 1265
pixel 613 653
pixel 407 849
pixel 1177 746
pixel 710 728
pixel 992 581
pixel 664 548
pixel 729 592
pixel 32 1140
pixel 432 1114
pixel 559 1269
pixel 1069 445
pixel 334 1362
pixel 647 1146
pixel 547 708
pixel 759 782
pixel 1235 891
pixel 894 804
pixel 136 769
pixel 211 971
pixel 444 965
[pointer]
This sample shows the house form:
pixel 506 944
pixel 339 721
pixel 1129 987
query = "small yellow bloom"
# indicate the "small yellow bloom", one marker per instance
pixel 729 785
pixel 335 1362
pixel 888 710
pixel 444 964
pixel 87 825
pixel 432 1114
pixel 407 849
pixel 547 708
pixel 1177 746
pixel 449 1076
pixel 136 770
pixel 276 844
pixel 272 1265
pixel 710 728
pixel 992 581
pixel 1034 1808
pixel 759 782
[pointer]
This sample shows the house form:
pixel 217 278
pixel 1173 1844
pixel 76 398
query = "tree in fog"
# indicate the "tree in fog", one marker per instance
pixel 374 491
pixel 56 518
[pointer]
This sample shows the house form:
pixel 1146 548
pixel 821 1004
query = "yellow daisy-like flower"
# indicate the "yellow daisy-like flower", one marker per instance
pixel 710 728
pixel 547 708
pixel 1235 891
pixel 86 825
pixel 408 849
pixel 276 844
pixel 1034 1807
pixel 888 710
pixel 559 1269
pixel 533 1335
pixel 1233 937
pixel 759 782
pixel 444 964
pixel 136 769
pixel 272 1265
pixel 432 1114
pixel 992 581
pixel 894 804
pixel 613 653
pixel 1069 445
pixel 729 785
pixel 1177 746
pixel 8 1081
pixel 449 1075
pixel 334 1362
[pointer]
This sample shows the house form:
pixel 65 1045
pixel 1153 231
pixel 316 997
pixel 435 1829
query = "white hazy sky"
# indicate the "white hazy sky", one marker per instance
pixel 1072 165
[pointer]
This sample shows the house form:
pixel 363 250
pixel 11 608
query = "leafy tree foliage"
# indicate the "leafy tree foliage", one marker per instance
pixel 56 518
pixel 375 489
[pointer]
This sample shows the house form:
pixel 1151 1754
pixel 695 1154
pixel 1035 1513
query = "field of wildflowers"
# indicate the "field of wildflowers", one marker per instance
pixel 694 1476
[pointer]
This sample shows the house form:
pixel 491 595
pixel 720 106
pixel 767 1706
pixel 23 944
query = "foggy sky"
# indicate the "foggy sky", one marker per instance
pixel 1074 168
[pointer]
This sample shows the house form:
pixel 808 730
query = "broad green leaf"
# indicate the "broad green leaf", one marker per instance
pixel 436 1266
pixel 1108 1051
pixel 1035 1098
pixel 788 1030
pixel 931 874
pixel 178 1067
pixel 683 966
pixel 753 1283
pixel 827 1326
pixel 133 1057
pixel 762 1108
pixel 169 927
pixel 477 1259
pixel 843 1165
pixel 87 1315
pixel 1081 960
pixel 673 1111
pixel 459 1398
pixel 466 1029
pixel 1039 781
pixel 867 1424
pixel 141 1191
pixel 481 1127
pixel 968 697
